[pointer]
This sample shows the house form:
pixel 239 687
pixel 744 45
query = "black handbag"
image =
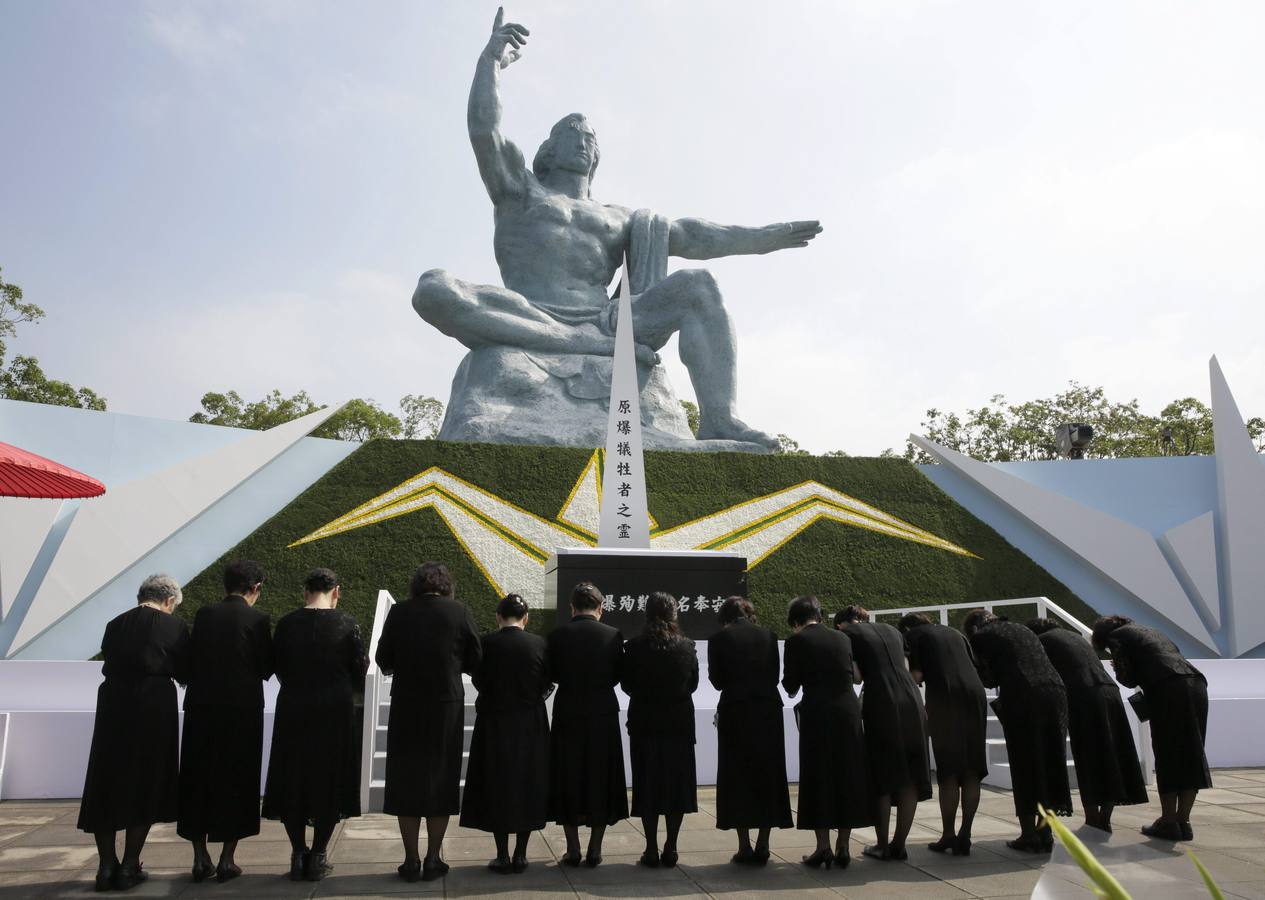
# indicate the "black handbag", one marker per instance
pixel 1141 706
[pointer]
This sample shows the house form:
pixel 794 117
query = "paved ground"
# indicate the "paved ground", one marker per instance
pixel 43 855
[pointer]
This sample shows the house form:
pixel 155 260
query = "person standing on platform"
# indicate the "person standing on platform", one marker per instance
pixel 1032 707
pixel 833 787
pixel 895 729
pixel 659 675
pixel 586 754
pixel 507 778
pixel 1108 773
pixel 221 752
pixel 427 642
pixel 132 779
pixel 751 788
pixel 314 767
pixel 1175 695
pixel 940 659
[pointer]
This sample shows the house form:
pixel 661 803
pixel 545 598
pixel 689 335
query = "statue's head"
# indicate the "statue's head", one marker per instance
pixel 571 146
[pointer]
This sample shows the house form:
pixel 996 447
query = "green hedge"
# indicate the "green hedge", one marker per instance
pixel 839 563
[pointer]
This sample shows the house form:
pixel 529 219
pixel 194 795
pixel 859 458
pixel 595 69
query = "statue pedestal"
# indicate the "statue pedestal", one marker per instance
pixel 505 396
pixel 699 579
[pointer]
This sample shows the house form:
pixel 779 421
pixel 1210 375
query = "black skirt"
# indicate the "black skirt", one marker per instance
pixel 133 768
pixel 957 725
pixel 1107 768
pixel 1035 727
pixel 587 785
pixel 895 744
pixel 1179 724
pixel 833 788
pixel 221 759
pixel 664 781
pixel 751 787
pixel 507 778
pixel 424 741
pixel 314 767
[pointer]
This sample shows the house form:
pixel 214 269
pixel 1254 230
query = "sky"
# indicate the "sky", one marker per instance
pixel 241 195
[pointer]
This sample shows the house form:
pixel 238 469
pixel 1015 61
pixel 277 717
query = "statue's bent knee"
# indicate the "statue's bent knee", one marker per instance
pixel 703 288
pixel 436 290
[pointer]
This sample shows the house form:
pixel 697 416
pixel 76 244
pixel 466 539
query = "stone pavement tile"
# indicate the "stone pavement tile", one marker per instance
pixel 991 880
pixel 920 856
pixel 24 818
pixel 37 882
pixel 862 881
pixel 1232 780
pixel 1221 815
pixel 1222 866
pixel 1256 807
pixel 691 842
pixel 1255 855
pixel 478 881
pixel 1257 775
pixel 788 839
pixel 696 821
pixel 622 870
pixel 714 873
pixel 684 890
pixel 998 847
pixel 161 883
pixel 250 885
pixel 56 835
pixel 989 827
pixel 1221 837
pixel 1255 890
pixel 368 850
pixel 10 832
pixel 19 859
pixel 1219 796
pixel 378 879
pixel 1257 792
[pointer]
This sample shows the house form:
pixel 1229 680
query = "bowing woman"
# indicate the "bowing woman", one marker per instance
pixel 659 675
pixel 221 751
pixel 1175 694
pixel 507 778
pixel 1032 706
pixel 751 789
pixel 586 755
pixel 314 767
pixel 426 643
pixel 1107 770
pixel 940 659
pixel 132 766
pixel 833 788
pixel 895 729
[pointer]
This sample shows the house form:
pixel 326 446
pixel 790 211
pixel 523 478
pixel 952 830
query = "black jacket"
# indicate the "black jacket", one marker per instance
pixel 585 658
pixel 231 655
pixel 514 673
pixel 743 664
pixel 426 643
pixel 659 679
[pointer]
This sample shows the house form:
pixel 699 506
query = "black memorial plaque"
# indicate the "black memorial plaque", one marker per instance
pixel 699 580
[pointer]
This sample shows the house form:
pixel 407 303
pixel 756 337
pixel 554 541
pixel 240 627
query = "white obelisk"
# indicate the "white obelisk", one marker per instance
pixel 625 521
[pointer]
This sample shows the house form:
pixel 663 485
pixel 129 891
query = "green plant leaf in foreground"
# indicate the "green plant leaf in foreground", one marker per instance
pixel 1105 883
pixel 1213 890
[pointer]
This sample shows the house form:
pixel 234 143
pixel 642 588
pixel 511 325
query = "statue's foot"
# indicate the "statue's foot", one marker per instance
pixel 732 429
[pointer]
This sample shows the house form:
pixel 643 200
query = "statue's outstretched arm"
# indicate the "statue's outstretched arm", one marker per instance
pixel 700 239
pixel 500 161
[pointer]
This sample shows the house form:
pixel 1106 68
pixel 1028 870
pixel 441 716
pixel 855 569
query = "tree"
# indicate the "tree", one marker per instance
pixel 24 379
pixel 788 446
pixel 1000 431
pixel 360 420
pixel 691 415
pixel 422 416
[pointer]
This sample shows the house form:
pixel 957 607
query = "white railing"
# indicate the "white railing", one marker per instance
pixel 373 700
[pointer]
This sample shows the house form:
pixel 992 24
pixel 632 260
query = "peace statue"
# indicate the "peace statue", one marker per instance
pixel 541 347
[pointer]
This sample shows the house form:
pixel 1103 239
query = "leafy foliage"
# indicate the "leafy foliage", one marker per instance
pixel 423 415
pixel 691 415
pixel 838 563
pixel 999 431
pixel 13 312
pixel 358 420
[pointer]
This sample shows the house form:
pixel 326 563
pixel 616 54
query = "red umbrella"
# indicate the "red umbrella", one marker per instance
pixel 24 474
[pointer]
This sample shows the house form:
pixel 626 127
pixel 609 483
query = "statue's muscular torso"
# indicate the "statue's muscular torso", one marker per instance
pixel 559 252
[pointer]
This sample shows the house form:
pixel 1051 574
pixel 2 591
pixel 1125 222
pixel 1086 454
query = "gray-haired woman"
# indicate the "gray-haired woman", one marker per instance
pixel 132 767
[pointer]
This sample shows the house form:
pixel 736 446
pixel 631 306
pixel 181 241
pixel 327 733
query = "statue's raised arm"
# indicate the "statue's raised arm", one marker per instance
pixel 500 162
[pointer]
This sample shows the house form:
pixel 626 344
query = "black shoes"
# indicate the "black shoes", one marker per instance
pixel 668 858
pixel 570 859
pixel 433 868
pixel 501 865
pixel 944 845
pixel 127 876
pixel 227 872
pixel 410 871
pixel 519 864
pixel 749 857
pixel 649 859
pixel 593 860
pixel 1030 845
pixel 1188 833
pixel 1165 831
pixel 963 845
pixel 821 857
pixel 297 861
pixel 314 867
pixel 105 876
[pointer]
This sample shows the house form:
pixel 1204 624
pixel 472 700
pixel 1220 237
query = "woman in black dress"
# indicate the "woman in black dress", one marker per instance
pixel 833 790
pixel 1032 707
pixel 1107 770
pixel 659 675
pixel 940 659
pixel 1176 697
pixel 586 755
pixel 426 643
pixel 751 788
pixel 895 729
pixel 507 778
pixel 314 767
pixel 132 766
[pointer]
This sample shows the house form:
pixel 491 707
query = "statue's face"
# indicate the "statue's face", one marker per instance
pixel 575 147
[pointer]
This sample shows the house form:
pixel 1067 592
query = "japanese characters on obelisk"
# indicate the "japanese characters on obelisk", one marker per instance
pixel 625 520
